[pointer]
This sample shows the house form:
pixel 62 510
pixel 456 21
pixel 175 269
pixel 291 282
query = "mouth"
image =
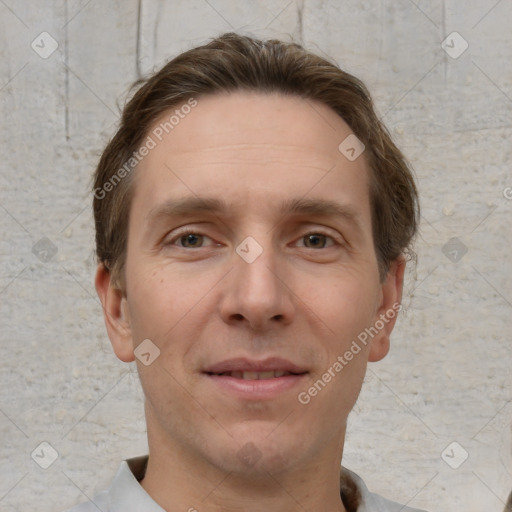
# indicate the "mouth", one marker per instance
pixel 255 380
pixel 251 369
pixel 249 375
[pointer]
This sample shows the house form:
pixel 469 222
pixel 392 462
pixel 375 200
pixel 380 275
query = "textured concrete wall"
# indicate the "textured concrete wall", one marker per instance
pixel 448 376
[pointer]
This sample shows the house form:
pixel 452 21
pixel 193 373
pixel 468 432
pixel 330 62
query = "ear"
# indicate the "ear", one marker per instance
pixel 115 312
pixel 390 304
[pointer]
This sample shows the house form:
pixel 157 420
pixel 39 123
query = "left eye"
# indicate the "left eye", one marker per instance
pixel 317 240
pixel 191 240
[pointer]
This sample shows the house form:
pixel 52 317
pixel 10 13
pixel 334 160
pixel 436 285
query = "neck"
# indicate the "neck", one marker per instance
pixel 180 480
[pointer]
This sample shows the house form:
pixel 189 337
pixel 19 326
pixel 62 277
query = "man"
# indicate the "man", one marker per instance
pixel 252 216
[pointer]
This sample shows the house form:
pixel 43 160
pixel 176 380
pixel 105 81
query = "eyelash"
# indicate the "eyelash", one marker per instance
pixel 322 233
pixel 183 233
pixel 186 232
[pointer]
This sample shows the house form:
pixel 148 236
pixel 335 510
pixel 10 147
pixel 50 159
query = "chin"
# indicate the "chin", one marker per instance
pixel 260 451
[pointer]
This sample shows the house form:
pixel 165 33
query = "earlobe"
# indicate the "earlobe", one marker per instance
pixel 390 305
pixel 115 313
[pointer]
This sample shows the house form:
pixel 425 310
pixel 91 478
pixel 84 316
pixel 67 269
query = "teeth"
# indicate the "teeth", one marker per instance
pixel 257 375
pixel 250 375
pixel 264 375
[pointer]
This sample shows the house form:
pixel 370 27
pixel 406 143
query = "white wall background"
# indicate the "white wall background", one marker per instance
pixel 448 376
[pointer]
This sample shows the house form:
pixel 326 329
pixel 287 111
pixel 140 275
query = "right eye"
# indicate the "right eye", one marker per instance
pixel 189 240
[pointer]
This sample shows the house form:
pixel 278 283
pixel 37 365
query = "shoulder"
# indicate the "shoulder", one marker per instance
pixel 375 502
pixel 98 503
pixel 371 502
pixel 124 492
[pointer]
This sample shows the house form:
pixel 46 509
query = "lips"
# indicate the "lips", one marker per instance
pixel 250 386
pixel 246 369
pixel 255 375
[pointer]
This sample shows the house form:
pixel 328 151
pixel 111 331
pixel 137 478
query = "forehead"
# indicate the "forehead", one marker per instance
pixel 250 147
pixel 250 120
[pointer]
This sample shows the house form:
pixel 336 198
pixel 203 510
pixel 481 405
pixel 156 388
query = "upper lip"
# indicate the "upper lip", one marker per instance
pixel 241 364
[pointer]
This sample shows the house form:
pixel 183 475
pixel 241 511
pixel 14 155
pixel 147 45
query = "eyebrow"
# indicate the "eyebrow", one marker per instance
pixel 186 206
pixel 321 208
pixel 300 206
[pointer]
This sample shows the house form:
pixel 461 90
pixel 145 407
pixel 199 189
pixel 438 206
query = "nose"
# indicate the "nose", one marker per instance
pixel 257 292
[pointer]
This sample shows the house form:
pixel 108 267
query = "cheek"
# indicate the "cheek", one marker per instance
pixel 157 299
pixel 347 309
pixel 346 303
pixel 172 309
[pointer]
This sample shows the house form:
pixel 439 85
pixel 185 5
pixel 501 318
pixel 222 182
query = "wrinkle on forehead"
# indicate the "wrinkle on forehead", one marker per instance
pixel 255 117
pixel 251 153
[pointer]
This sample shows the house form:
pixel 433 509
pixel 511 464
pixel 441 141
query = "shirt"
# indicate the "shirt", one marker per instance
pixel 125 494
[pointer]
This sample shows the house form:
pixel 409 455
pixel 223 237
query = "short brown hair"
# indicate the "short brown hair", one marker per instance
pixel 233 62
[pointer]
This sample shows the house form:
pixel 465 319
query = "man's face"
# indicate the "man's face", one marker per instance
pixel 300 289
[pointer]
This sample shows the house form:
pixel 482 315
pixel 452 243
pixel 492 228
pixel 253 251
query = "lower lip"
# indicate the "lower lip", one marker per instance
pixel 256 389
